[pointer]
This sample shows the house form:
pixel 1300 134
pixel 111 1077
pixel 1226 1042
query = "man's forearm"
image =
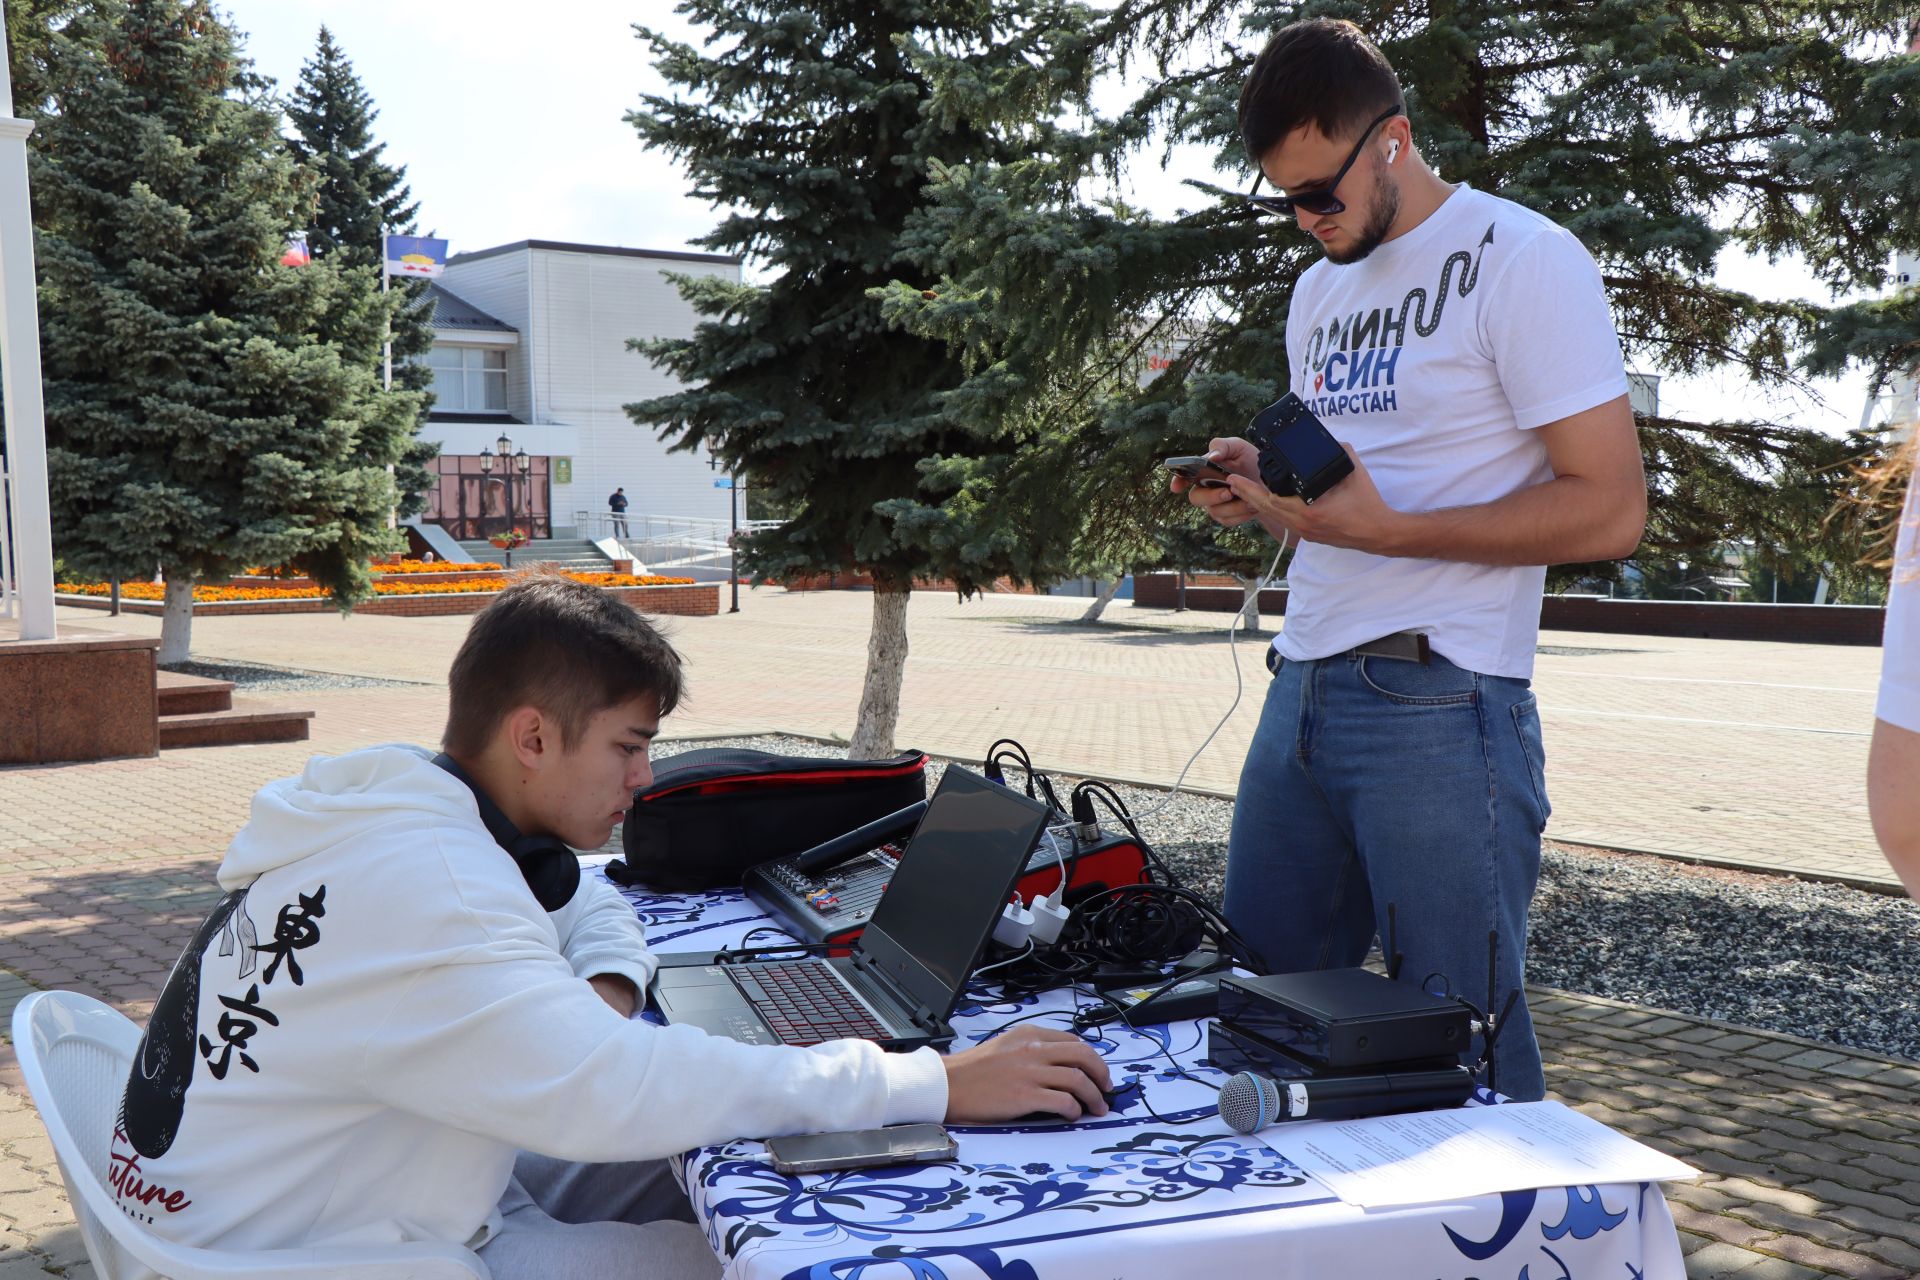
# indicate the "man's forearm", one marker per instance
pixel 1893 798
pixel 1566 520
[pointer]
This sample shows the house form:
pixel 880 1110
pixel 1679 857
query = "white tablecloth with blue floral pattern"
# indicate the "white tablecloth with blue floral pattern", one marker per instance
pixel 1159 1188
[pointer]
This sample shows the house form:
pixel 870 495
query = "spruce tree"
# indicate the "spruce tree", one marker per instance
pixel 1657 131
pixel 359 199
pixel 30 25
pixel 195 422
pixel 807 120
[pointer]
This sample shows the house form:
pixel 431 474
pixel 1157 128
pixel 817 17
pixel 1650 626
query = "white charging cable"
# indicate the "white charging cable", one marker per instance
pixel 1239 684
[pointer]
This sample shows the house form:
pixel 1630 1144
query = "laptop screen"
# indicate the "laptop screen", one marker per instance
pixel 957 872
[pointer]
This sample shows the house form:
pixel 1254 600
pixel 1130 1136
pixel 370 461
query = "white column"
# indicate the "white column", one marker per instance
pixel 20 376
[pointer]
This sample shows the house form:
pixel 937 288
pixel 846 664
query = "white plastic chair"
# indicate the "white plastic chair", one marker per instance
pixel 75 1054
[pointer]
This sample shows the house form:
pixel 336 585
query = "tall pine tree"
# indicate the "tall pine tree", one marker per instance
pixel 359 199
pixel 195 422
pixel 808 121
pixel 1657 131
pixel 360 196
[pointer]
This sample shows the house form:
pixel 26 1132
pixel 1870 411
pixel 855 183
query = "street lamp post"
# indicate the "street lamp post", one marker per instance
pixel 522 464
pixel 510 464
pixel 733 525
pixel 504 447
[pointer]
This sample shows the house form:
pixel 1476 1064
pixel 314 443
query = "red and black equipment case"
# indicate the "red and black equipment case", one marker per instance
pixel 712 813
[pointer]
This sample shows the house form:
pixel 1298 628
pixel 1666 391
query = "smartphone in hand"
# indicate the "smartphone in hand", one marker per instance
pixel 1202 470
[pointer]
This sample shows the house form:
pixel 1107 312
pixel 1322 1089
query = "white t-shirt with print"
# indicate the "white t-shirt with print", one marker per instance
pixel 1900 659
pixel 1436 357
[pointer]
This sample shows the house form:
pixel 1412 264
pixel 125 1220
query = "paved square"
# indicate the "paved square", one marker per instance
pixel 1745 754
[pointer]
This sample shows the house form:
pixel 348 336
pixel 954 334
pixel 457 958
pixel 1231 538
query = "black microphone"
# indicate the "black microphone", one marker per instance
pixel 831 853
pixel 1251 1102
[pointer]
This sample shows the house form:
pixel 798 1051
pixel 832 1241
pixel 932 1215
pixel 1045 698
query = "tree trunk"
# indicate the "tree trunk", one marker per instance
pixel 1100 603
pixel 886 663
pixel 1250 601
pixel 176 622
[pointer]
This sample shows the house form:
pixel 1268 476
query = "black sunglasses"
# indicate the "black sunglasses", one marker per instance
pixel 1320 200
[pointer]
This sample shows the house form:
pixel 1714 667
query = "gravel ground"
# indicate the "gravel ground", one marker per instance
pixel 1822 961
pixel 249 677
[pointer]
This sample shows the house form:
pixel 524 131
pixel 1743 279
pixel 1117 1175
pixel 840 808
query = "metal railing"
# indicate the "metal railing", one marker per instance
pixel 668 542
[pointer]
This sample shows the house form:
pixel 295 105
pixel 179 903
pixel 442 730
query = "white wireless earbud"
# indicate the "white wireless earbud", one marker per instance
pixel 1393 149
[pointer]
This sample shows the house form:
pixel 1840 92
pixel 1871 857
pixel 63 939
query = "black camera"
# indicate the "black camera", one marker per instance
pixel 1298 456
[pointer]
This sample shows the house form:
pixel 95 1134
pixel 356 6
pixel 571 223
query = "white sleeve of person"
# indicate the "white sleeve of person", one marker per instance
pixel 493 1033
pixel 600 934
pixel 1551 333
pixel 1899 703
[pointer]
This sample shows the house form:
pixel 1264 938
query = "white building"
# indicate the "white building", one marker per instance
pixel 530 341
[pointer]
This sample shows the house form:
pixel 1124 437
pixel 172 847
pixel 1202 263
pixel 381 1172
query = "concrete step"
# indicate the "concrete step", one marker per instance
pixel 578 555
pixel 247 720
pixel 487 551
pixel 181 695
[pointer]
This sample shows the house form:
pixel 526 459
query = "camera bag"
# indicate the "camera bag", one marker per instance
pixel 713 812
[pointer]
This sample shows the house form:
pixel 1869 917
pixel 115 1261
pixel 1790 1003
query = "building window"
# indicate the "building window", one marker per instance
pixel 469 379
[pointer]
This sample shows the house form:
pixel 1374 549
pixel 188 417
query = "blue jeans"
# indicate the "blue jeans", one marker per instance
pixel 1374 781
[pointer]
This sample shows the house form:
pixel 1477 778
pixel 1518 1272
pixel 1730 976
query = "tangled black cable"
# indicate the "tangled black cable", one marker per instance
pixel 1093 789
pixel 1008 749
pixel 1131 927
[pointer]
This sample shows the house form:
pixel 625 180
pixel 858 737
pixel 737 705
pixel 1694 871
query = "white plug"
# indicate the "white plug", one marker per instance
pixel 1014 927
pixel 1049 918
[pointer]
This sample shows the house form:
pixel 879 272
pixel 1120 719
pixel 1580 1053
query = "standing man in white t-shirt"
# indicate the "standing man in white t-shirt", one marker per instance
pixel 1460 347
pixel 1893 767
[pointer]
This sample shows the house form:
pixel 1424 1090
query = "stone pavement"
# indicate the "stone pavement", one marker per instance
pixel 1741 753
pixel 1747 754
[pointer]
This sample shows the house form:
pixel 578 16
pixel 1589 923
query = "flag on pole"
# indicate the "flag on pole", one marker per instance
pixel 297 254
pixel 415 256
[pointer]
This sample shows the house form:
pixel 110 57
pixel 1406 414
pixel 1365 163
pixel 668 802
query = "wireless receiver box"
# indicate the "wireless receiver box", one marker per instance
pixel 1336 1019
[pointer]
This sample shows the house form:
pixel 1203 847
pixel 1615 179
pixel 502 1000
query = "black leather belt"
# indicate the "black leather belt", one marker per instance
pixel 1404 646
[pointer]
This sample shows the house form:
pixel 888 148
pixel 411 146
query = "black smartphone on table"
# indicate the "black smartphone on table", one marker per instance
pixel 862 1148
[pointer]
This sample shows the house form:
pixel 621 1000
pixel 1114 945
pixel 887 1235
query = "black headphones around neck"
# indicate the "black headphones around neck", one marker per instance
pixel 552 871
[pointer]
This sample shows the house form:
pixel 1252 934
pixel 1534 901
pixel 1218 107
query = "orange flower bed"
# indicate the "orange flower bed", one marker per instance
pixel 201 595
pixel 403 566
pixel 499 584
pixel 229 594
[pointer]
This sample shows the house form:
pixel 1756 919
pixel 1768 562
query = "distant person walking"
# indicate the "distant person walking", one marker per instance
pixel 618 501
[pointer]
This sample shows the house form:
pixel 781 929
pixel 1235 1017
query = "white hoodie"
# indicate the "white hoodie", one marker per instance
pixel 379 1015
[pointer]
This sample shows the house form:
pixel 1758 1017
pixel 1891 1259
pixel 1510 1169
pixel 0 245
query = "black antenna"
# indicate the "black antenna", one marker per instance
pixel 1493 981
pixel 1394 958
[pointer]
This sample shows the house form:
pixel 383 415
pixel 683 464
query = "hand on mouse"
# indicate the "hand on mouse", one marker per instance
pixel 1024 1070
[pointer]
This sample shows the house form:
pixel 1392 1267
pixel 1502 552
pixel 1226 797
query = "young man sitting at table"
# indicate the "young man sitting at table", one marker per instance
pixel 408 1019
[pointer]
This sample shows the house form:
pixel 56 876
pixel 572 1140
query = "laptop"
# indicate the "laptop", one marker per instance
pixel 907 969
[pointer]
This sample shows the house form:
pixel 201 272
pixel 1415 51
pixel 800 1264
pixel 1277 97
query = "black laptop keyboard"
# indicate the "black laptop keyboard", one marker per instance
pixel 805 1003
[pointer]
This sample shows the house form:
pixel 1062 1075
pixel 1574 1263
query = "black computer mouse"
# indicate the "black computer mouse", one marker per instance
pixel 1126 1089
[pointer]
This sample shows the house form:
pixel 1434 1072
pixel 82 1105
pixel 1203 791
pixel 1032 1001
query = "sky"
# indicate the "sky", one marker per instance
pixel 512 129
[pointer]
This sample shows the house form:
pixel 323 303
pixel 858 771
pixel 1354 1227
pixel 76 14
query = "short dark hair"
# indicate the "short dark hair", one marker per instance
pixel 1323 72
pixel 554 643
